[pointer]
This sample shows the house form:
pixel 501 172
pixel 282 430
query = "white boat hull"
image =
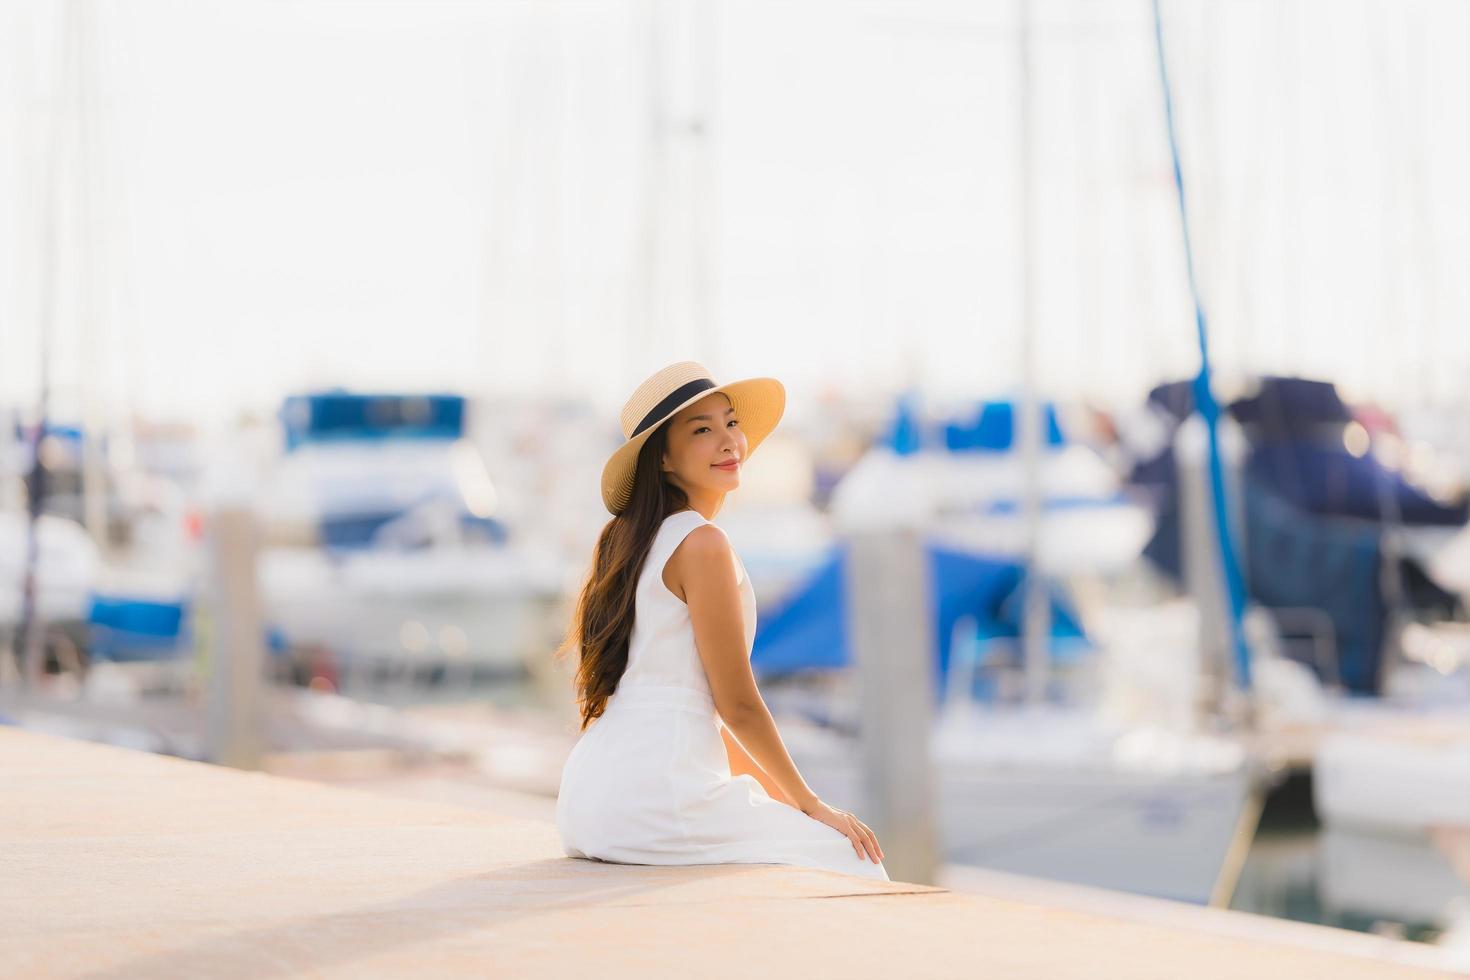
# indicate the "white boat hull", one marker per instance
pixel 407 609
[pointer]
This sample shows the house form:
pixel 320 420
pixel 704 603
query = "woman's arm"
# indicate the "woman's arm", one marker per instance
pixel 703 575
pixel 702 570
pixel 742 764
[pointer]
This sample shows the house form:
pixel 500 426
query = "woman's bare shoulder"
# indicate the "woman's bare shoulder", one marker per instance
pixel 705 541
pixel 704 552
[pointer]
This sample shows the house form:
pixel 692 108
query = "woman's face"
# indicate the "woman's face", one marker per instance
pixel 706 448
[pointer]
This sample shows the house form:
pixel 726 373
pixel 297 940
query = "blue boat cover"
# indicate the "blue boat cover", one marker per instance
pixel 808 629
pixel 123 628
pixel 335 416
pixel 991 427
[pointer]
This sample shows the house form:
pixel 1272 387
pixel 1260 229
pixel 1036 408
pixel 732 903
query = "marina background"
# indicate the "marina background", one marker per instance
pixel 317 316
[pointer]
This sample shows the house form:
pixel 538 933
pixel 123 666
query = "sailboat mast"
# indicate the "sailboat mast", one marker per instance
pixel 1204 397
pixel 30 631
pixel 89 283
pixel 1030 431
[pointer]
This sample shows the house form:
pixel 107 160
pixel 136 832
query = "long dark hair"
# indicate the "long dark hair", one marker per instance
pixel 602 622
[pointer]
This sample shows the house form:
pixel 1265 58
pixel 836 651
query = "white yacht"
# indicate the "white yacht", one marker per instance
pixel 390 553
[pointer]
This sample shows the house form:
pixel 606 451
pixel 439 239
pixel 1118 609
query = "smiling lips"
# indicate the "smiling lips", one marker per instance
pixel 732 464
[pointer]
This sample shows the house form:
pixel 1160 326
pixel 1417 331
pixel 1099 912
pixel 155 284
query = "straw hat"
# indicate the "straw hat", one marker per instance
pixel 758 402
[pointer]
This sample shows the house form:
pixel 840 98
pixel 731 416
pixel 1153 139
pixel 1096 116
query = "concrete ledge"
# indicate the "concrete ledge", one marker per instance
pixel 119 863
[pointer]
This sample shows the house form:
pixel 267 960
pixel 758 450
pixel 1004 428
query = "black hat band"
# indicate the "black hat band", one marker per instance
pixel 672 401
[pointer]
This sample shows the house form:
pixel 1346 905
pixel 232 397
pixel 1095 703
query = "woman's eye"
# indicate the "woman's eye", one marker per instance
pixel 702 428
pixel 734 421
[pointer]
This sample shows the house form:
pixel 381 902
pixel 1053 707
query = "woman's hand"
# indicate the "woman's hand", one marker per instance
pixel 863 840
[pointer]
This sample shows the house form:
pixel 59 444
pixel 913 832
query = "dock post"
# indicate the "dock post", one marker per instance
pixel 888 623
pixel 234 727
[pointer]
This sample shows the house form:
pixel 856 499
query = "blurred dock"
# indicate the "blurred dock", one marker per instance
pixel 122 863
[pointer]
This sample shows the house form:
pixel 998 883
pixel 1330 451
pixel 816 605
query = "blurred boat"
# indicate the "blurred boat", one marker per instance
pixel 68 560
pixel 961 481
pixel 1393 772
pixel 141 479
pixel 969 474
pixel 1347 552
pixel 388 550
pixel 67 568
pixel 1119 791
pixel 123 593
pixel 1339 545
pixel 965 471
pixel 1086 788
pixel 809 629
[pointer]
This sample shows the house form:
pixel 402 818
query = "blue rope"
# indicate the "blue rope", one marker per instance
pixel 1204 398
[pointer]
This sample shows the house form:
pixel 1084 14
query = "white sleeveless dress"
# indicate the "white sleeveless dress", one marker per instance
pixel 649 781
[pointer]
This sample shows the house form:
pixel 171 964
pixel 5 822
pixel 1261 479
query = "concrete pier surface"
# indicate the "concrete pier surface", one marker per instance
pixel 119 863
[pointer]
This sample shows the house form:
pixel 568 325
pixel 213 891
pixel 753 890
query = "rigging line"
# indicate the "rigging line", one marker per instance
pixel 1204 398
pixel 1386 485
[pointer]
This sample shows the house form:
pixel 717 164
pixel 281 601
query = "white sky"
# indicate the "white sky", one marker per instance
pixel 476 196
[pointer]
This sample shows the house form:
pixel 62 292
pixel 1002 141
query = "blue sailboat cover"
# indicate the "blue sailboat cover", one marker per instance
pixel 808 629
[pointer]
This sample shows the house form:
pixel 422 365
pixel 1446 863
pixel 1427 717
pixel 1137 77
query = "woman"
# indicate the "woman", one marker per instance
pixel 664 627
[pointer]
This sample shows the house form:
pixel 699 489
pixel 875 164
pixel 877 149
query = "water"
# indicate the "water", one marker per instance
pixel 1297 869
